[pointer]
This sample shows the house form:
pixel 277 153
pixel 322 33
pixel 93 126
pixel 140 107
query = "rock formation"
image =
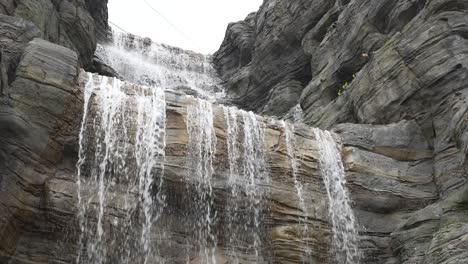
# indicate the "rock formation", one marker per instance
pixel 390 77
pixel 38 132
pixel 98 11
pixel 40 128
pixel 68 23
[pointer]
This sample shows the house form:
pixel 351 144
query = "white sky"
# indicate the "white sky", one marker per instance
pixel 203 22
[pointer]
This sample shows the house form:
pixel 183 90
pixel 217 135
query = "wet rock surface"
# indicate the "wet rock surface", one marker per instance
pixel 40 128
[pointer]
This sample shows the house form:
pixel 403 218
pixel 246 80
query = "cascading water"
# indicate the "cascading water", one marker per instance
pixel 201 152
pixel 121 188
pixel 255 171
pixel 344 225
pixel 142 61
pixel 248 175
pixel 234 181
pixel 124 153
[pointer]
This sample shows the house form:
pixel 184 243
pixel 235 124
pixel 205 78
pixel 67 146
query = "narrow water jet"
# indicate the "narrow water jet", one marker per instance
pixel 344 226
pixel 290 140
pixel 256 174
pixel 82 145
pixel 233 232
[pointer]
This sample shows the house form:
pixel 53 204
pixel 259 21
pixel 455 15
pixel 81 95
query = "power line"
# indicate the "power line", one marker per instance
pixel 172 25
pixel 118 27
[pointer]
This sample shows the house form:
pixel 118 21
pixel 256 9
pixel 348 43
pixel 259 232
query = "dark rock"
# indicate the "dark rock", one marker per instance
pixel 7 7
pixel 98 10
pixel 75 24
pixel 38 119
pixel 100 67
pixel 398 71
pixel 264 51
pixel 15 33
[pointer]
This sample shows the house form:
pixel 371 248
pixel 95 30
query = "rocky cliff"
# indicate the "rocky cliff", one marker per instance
pixel 391 78
pixel 388 76
pixel 39 151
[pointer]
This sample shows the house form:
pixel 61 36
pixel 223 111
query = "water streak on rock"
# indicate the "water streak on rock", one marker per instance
pixel 122 168
pixel 290 140
pixel 255 174
pixel 201 154
pixel 344 225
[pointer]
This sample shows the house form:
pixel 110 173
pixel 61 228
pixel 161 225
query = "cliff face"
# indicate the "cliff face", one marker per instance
pixel 390 77
pixel 38 186
pixel 98 11
pixel 38 127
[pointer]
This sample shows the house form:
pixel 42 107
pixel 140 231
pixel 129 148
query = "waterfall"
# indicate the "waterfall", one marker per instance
pixel 201 152
pixel 142 61
pixel 122 197
pixel 255 171
pixel 234 181
pixel 344 225
pixel 128 150
pixel 128 193
pixel 290 140
pixel 149 152
pixel 248 176
pixel 82 144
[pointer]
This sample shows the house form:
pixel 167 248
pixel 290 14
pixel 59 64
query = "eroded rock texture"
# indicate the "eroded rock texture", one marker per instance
pixel 391 78
pixel 38 127
pixel 388 76
pixel 75 24
pixel 98 10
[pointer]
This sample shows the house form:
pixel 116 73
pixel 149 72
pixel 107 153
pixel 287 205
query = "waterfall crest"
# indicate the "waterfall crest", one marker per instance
pixel 142 61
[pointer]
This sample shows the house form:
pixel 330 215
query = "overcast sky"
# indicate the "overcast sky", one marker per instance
pixel 201 24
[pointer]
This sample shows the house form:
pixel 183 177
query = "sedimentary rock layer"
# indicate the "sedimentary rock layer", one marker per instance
pixel 75 24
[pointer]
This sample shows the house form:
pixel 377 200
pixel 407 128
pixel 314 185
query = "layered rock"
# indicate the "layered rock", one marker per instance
pixel 261 59
pixel 389 76
pixel 75 24
pixel 38 130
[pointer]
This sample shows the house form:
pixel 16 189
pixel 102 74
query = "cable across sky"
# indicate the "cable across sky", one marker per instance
pixel 172 25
